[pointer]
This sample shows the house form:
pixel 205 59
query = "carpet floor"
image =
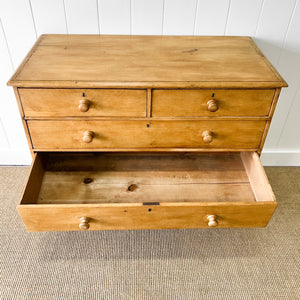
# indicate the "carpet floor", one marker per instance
pixel 152 264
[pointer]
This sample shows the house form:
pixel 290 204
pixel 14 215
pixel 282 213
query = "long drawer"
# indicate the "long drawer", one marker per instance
pixel 195 103
pixel 82 134
pixel 42 103
pixel 98 191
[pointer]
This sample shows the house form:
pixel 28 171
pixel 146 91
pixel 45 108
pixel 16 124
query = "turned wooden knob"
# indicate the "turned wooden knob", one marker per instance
pixel 212 105
pixel 88 136
pixel 84 223
pixel 212 221
pixel 207 136
pixel 84 105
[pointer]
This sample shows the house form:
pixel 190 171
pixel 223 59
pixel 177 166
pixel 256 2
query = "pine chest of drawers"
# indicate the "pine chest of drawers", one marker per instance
pixel 144 132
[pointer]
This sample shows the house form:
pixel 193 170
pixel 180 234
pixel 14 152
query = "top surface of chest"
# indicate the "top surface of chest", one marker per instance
pixel 145 61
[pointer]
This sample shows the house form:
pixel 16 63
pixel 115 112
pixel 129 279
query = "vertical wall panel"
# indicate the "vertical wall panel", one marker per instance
pixel 289 139
pixel 243 17
pixel 49 16
pixel 3 139
pixel 289 64
pixel 292 39
pixel 19 28
pixel 13 137
pixel 82 16
pixel 114 16
pixel 211 17
pixel 147 16
pixel 179 17
pixel 271 33
pixel 272 27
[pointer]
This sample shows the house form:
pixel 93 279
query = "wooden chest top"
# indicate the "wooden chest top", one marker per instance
pixel 146 61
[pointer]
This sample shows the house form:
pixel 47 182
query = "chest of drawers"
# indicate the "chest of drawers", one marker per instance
pixel 145 132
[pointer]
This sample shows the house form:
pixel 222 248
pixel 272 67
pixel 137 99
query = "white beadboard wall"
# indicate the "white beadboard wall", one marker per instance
pixel 274 25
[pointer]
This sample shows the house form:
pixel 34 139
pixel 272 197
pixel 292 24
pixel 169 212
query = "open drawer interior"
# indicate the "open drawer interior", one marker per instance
pixel 90 183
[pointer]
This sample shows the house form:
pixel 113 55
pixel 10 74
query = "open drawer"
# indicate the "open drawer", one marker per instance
pixel 98 191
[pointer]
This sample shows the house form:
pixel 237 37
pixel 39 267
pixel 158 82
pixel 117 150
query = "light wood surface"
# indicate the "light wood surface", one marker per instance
pixel 207 136
pixel 84 105
pixel 26 130
pixel 84 223
pixel 257 177
pixel 147 61
pixel 66 217
pixel 212 220
pixel 157 95
pixel 101 102
pixel 193 103
pixel 272 109
pixel 143 134
pixel 34 180
pixel 88 136
pixel 148 149
pixel 149 103
pixel 127 191
pixel 212 105
pixel 107 178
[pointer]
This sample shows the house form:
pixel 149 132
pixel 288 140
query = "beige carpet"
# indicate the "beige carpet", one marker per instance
pixel 164 264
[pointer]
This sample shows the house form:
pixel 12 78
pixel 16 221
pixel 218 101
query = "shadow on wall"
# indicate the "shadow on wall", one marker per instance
pixel 287 62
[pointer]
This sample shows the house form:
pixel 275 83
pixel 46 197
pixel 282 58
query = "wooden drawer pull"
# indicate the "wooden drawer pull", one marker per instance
pixel 84 223
pixel 88 136
pixel 212 221
pixel 207 136
pixel 84 105
pixel 212 105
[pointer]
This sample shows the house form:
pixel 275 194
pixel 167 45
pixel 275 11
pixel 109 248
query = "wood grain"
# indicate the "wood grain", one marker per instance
pixel 145 134
pixel 65 102
pixel 26 130
pixel 155 177
pixel 34 180
pixel 145 61
pixel 66 217
pixel 257 177
pixel 146 94
pixel 186 188
pixel 149 103
pixel 193 103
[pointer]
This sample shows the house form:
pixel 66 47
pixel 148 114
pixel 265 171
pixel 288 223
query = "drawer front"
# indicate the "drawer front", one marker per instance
pixel 103 217
pixel 83 102
pixel 194 103
pixel 143 134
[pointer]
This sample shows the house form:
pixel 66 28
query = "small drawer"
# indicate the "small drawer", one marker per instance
pixel 44 103
pixel 99 191
pixel 80 134
pixel 197 103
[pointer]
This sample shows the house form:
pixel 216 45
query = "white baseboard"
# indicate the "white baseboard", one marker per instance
pixel 280 158
pixel 21 157
pixel 17 157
